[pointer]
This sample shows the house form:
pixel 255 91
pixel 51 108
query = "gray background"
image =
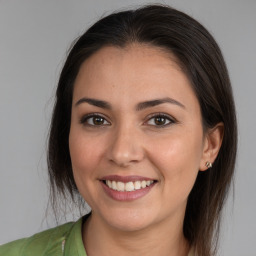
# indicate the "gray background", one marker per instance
pixel 34 36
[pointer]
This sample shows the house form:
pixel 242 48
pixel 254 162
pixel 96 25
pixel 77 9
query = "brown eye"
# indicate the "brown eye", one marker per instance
pixel 98 120
pixel 94 120
pixel 160 120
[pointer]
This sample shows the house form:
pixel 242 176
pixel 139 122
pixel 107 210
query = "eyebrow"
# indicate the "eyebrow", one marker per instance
pixel 140 106
pixel 152 103
pixel 94 102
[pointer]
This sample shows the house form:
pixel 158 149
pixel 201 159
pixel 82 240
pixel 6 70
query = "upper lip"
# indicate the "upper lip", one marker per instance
pixel 125 179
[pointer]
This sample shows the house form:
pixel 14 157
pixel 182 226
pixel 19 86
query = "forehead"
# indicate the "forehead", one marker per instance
pixel 134 72
pixel 112 56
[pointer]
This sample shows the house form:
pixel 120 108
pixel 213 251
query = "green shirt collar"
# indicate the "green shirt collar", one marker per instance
pixel 73 244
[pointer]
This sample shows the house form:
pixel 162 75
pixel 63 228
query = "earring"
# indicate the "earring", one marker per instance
pixel 208 164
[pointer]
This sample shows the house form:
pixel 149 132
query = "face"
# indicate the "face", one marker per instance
pixel 136 139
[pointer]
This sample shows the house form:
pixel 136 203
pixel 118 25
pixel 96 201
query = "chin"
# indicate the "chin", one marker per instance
pixel 127 225
pixel 128 220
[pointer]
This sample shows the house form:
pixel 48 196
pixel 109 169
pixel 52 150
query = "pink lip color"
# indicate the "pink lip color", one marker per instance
pixel 124 195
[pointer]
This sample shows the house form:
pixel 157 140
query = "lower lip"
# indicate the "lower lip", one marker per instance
pixel 126 196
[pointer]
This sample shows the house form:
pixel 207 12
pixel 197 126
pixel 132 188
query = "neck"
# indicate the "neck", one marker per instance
pixel 101 239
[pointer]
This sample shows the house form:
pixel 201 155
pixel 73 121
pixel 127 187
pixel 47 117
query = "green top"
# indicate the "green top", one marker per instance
pixel 64 240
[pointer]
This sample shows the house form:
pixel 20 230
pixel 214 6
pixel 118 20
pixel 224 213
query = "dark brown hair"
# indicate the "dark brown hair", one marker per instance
pixel 201 60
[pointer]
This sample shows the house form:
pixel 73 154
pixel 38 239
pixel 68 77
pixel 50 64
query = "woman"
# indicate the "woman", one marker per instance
pixel 143 130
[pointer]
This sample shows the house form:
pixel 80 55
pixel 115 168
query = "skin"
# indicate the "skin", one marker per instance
pixel 128 141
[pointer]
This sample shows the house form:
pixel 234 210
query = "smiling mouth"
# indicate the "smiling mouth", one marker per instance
pixel 128 186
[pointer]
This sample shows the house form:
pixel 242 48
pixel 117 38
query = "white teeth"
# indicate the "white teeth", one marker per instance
pixel 109 183
pixel 114 185
pixel 129 186
pixel 137 185
pixel 143 184
pixel 120 186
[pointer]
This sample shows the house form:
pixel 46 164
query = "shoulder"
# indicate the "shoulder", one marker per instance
pixel 37 244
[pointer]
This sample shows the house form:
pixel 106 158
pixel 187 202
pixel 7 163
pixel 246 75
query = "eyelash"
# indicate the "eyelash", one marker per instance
pixel 161 115
pixel 84 120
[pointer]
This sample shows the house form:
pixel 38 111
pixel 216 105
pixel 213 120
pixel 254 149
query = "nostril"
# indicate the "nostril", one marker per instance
pixel 125 150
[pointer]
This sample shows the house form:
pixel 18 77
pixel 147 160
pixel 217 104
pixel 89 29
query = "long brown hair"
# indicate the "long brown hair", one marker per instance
pixel 201 60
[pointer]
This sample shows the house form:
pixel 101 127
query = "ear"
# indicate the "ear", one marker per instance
pixel 212 143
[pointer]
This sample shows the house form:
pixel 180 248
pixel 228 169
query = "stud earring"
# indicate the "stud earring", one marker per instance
pixel 208 164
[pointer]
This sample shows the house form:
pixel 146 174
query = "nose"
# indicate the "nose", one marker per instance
pixel 126 147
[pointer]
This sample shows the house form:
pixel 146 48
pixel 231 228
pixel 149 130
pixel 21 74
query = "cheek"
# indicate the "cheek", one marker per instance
pixel 83 156
pixel 85 159
pixel 177 158
pixel 179 151
pixel 79 153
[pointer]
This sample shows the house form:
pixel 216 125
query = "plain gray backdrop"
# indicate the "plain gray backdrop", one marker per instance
pixel 34 38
